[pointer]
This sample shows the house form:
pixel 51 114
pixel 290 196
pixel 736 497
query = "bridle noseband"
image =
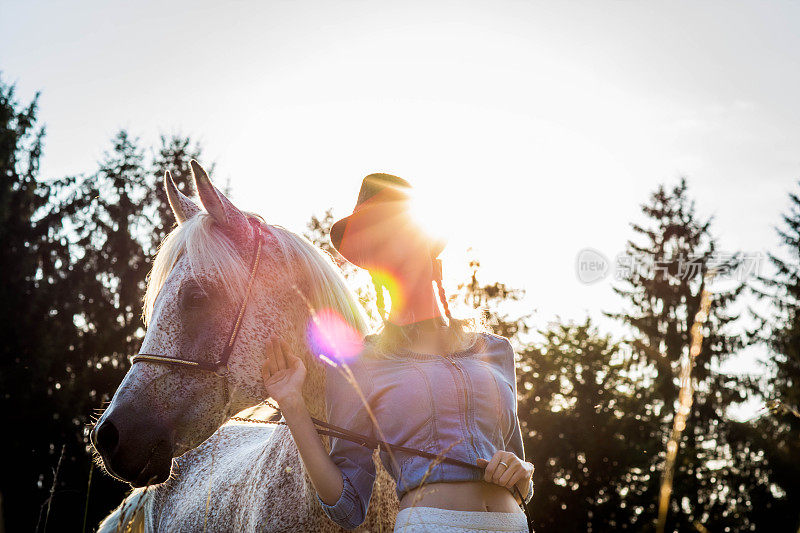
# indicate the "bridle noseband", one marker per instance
pixel 222 361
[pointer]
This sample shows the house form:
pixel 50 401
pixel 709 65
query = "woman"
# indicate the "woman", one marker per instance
pixel 441 387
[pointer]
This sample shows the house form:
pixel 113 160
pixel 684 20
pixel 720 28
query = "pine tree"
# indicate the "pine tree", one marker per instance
pixel 779 500
pixel 75 255
pixel 38 334
pixel 662 287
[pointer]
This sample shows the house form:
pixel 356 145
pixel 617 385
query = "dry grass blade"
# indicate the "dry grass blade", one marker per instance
pixel 685 398
pixel 213 457
pixel 139 506
pixel 88 489
pixel 52 490
pixel 439 458
pixel 776 406
pixel 210 477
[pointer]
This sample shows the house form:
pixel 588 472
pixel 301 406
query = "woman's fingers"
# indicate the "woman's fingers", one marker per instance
pixel 491 468
pixel 495 469
pixel 272 365
pixel 508 476
pixel 266 371
pixel 288 355
pixel 280 356
pixel 499 470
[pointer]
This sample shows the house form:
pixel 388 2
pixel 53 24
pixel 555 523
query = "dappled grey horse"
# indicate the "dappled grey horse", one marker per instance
pixel 222 285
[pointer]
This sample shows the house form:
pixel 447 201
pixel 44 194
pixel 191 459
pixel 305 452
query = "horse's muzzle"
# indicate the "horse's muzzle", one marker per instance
pixel 135 462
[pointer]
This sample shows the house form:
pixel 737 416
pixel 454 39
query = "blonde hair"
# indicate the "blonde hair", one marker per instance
pixel 208 249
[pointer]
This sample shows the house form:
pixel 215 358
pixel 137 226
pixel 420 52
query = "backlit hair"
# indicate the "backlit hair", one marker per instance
pixel 209 250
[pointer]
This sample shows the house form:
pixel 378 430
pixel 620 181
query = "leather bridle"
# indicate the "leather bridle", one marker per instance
pixel 222 361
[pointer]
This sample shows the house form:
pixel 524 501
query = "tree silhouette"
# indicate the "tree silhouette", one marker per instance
pixel 663 278
pixel 780 332
pixel 75 254
pixel 37 331
pixel 580 414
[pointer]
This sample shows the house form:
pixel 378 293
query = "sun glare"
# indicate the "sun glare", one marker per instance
pixel 429 211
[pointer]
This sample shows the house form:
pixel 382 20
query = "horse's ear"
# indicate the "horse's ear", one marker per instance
pixel 218 206
pixel 182 206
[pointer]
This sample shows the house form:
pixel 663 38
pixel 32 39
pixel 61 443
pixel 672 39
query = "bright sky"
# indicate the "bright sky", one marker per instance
pixel 538 127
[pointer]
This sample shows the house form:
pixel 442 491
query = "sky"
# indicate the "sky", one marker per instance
pixel 536 129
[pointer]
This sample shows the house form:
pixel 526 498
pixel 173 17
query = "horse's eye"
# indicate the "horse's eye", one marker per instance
pixel 196 299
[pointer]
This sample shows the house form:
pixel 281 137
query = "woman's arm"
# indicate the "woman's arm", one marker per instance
pixel 516 471
pixel 344 478
pixel 283 375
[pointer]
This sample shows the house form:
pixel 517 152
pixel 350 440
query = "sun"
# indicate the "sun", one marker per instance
pixel 432 213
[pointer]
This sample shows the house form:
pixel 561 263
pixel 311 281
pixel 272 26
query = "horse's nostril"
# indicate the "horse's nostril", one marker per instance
pixel 106 438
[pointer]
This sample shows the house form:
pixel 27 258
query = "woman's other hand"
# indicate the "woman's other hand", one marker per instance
pixel 507 470
pixel 283 374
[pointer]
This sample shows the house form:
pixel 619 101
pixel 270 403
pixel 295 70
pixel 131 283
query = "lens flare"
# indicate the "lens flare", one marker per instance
pixel 330 337
pixel 389 280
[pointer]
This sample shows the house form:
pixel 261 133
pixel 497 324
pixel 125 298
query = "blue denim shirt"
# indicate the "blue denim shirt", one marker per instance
pixel 463 405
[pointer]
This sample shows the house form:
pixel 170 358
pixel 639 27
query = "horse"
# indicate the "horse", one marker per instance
pixel 167 430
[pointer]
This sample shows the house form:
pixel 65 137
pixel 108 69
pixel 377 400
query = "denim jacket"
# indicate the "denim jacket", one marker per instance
pixel 463 405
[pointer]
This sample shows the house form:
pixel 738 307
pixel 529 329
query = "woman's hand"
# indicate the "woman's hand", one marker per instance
pixel 283 374
pixel 507 470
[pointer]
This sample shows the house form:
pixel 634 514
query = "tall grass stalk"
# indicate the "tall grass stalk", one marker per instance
pixel 685 399
pixel 52 489
pixel 88 489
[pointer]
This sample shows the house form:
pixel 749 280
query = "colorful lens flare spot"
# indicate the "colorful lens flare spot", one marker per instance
pixel 330 336
pixel 389 281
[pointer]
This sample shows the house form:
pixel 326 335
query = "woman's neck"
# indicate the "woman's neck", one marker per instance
pixel 417 306
pixel 416 301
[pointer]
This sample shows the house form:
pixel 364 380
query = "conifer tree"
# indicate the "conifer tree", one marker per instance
pixel 75 253
pixel 38 335
pixel 779 501
pixel 662 281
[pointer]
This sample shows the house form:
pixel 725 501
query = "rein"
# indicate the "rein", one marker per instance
pixel 325 428
pixel 332 430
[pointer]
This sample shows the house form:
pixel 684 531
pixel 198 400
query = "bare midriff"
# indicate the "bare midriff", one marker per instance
pixel 462 496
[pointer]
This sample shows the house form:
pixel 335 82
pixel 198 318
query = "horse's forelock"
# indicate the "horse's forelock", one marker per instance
pixel 206 249
pixel 209 251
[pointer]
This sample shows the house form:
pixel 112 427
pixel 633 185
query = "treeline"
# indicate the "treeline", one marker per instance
pixel 596 412
pixel 74 253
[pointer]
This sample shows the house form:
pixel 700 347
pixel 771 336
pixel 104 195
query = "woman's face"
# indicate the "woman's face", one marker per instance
pixel 388 239
pixel 401 250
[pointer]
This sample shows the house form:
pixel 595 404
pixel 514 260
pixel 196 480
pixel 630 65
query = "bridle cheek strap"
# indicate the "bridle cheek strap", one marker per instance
pixel 222 361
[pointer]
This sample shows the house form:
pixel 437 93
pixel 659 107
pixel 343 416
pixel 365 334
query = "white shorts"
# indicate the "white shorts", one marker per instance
pixel 434 520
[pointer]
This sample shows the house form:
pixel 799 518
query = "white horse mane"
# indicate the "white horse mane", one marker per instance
pixel 208 249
